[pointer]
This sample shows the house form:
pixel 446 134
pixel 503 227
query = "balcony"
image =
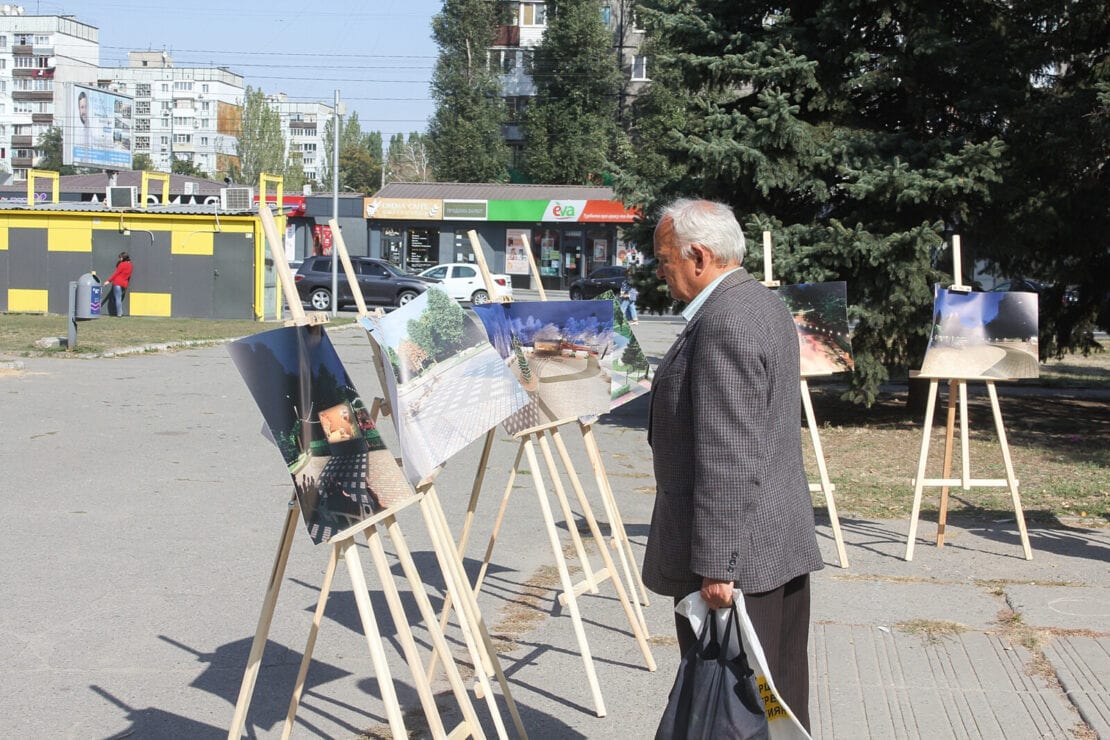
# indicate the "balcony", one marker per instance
pixel 42 118
pixel 23 161
pixel 507 36
pixel 22 141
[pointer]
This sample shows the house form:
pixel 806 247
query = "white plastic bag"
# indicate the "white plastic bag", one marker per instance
pixel 784 725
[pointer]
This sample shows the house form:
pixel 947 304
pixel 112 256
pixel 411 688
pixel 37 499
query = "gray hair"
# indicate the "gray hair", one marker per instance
pixel 708 223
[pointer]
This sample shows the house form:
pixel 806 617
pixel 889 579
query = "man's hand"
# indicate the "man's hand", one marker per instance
pixel 718 594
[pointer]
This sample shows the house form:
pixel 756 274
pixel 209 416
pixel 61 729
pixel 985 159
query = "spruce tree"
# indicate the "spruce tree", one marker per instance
pixel 855 132
pixel 570 126
pixel 464 137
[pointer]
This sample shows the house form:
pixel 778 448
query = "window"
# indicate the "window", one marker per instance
pixel 639 68
pixel 142 108
pixel 527 60
pixel 42 62
pixel 204 89
pixel 439 273
pixel 3 42
pixel 142 142
pixel 165 123
pixel 165 140
pixel 42 40
pixel 167 106
pixel 142 90
pixel 182 138
pixel 205 123
pixel 3 63
pixel 373 269
pixel 465 272
pixel 21 106
pixel 309 147
pixel 165 87
pixel 19 174
pixel 183 85
pixel 24 62
pixel 43 107
pixel 606 15
pixel 179 121
pixel 516 105
pixel 533 14
pixel 142 124
pixel 204 106
pixel 204 141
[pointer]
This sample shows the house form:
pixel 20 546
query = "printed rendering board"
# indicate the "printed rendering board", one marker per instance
pixel 982 335
pixel 446 384
pixel 628 367
pixel 820 312
pixel 555 349
pixel 341 469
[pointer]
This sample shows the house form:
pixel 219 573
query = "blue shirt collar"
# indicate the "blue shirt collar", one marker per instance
pixel 699 300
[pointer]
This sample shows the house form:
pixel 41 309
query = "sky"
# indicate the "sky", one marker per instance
pixel 379 54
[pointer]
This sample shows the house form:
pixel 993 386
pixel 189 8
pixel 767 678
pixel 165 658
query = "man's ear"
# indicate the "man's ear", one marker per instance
pixel 701 257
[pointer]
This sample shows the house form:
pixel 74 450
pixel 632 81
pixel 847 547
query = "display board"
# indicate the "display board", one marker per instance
pixel 447 384
pixel 982 335
pixel 341 469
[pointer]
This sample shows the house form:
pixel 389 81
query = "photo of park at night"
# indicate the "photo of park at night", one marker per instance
pixel 555 350
pixel 447 385
pixel 982 335
pixel 820 312
pixel 342 471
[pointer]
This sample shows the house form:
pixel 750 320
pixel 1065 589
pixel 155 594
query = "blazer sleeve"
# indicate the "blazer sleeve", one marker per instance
pixel 730 387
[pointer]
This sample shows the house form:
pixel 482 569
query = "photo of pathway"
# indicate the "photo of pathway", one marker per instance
pixel 982 335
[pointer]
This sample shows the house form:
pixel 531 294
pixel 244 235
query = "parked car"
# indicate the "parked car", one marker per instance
pixel 382 283
pixel 463 282
pixel 597 282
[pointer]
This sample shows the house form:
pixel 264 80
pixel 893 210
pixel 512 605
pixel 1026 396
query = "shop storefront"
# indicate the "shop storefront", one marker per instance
pixel 571 230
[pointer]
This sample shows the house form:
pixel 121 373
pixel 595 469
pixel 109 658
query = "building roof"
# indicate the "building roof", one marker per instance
pixel 493 191
pixel 98 183
pixel 87 207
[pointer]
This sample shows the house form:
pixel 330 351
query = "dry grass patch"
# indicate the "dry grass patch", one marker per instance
pixel 931 630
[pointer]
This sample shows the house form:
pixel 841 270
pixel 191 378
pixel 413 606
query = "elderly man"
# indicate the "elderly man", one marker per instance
pixel 732 506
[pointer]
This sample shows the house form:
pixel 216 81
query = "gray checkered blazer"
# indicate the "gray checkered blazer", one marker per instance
pixel 732 500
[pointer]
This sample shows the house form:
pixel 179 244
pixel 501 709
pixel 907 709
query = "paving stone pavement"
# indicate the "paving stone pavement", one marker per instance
pixel 143 509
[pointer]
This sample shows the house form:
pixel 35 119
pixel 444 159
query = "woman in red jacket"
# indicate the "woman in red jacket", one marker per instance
pixel 119 280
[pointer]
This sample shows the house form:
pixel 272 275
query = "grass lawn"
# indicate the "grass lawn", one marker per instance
pixel 19 332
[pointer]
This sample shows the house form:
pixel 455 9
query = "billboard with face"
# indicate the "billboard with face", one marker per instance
pixel 99 129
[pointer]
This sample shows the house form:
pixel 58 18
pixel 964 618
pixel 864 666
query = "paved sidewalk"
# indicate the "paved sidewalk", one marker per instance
pixel 143 508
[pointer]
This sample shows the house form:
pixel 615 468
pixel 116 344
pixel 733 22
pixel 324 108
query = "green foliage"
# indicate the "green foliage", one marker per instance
pixel 360 157
pixel 50 148
pixel 464 136
pixel 187 167
pixel 440 329
pixel 294 177
pixel 571 125
pixel 142 162
pixel 862 134
pixel 261 146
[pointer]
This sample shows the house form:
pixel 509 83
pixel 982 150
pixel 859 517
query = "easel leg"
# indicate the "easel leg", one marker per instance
pixel 1011 478
pixel 404 632
pixel 616 528
pixel 616 523
pixel 254 660
pixel 919 482
pixel 468 521
pixel 564 577
pixel 618 584
pixel 822 470
pixel 427 613
pixel 310 644
pixel 568 516
pixel 373 638
pixel 950 426
pixel 482 653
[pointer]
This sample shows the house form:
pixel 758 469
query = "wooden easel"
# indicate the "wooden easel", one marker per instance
pixel 473 626
pixel 343 546
pixel 617 532
pixel 957 387
pixel 826 485
pixel 529 439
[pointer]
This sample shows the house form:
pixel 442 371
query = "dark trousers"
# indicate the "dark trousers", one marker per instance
pixel 781 620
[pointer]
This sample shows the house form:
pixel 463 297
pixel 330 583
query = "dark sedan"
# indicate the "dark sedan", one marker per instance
pixel 597 282
pixel 382 283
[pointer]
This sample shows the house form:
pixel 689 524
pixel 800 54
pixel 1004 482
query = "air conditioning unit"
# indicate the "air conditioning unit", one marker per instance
pixel 121 197
pixel 236 199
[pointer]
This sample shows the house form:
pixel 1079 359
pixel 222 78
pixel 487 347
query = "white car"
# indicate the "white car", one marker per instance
pixel 463 282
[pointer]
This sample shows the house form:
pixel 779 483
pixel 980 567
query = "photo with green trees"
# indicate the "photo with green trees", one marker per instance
pixel 820 312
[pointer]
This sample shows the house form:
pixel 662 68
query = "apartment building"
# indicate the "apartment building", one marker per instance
pixel 183 113
pixel 39 57
pixel 511 57
pixel 302 126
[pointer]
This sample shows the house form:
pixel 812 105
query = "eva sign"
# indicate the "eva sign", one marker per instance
pixel 564 210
